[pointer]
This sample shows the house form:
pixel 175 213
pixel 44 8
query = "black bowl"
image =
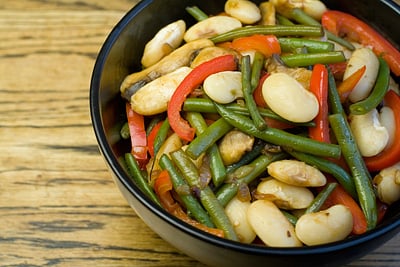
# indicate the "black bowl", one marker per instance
pixel 120 55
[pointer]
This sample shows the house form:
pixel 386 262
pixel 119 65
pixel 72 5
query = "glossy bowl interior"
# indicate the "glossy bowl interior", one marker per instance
pixel 120 55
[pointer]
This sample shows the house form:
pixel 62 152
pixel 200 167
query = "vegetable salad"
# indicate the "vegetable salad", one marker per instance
pixel 275 123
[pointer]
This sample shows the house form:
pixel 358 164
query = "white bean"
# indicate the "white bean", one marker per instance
pixel 209 53
pixel 289 99
pixel 296 173
pixel 362 57
pixel 224 87
pixel 284 195
pixel 153 98
pixel 210 27
pixel 245 11
pixel 371 137
pixel 165 41
pixel 271 226
pixel 388 184
pixel 237 214
pixel 325 226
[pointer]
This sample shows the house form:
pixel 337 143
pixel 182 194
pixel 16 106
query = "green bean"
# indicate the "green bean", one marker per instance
pixel 217 167
pixel 124 132
pixel 333 95
pixel 207 197
pixel 204 105
pixel 279 137
pixel 207 138
pixel 303 60
pixel 250 173
pixel 248 94
pixel 256 68
pixel 282 20
pixel 291 218
pixel 313 46
pixel 320 199
pixel 341 175
pixel 196 13
pixel 258 147
pixel 353 158
pixel 161 135
pixel 278 30
pixel 303 18
pixel 138 178
pixel 191 203
pixel 378 92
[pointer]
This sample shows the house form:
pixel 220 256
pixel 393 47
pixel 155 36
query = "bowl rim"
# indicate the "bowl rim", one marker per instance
pixel 116 168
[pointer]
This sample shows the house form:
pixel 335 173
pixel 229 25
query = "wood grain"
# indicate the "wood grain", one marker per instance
pixel 58 203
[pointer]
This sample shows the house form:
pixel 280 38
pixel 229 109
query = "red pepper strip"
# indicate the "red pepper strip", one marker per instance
pixel 391 155
pixel 319 87
pixel 163 188
pixel 265 44
pixel 180 126
pixel 338 69
pixel 344 89
pixel 257 94
pixel 340 196
pixel 341 23
pixel 152 136
pixel 138 136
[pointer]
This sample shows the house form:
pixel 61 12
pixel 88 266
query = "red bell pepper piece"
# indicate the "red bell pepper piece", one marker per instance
pixel 341 23
pixel 319 87
pixel 180 126
pixel 138 136
pixel 265 44
pixel 257 94
pixel 391 155
pixel 152 136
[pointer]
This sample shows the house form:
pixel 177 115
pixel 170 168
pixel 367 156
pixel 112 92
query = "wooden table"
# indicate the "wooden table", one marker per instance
pixel 58 203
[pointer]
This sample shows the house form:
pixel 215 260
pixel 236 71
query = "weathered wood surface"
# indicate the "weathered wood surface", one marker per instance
pixel 58 204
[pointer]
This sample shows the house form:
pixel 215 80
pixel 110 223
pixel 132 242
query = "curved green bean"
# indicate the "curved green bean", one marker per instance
pixel 207 138
pixel 361 176
pixel 320 199
pixel 204 105
pixel 378 92
pixel 248 93
pixel 191 203
pixel 279 137
pixel 303 60
pixel 278 30
pixel 137 176
pixel 252 171
pixel 196 13
pixel 313 46
pixel 207 197
pixel 303 18
pixel 217 167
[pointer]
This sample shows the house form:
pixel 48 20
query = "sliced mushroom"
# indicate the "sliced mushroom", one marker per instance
pixel 180 57
pixel 233 146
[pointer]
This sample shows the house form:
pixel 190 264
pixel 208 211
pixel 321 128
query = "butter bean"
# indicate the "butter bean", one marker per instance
pixel 236 210
pixel 284 195
pixel 297 173
pixel 245 11
pixel 224 87
pixel 388 184
pixel 271 226
pixel 289 99
pixel 325 226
